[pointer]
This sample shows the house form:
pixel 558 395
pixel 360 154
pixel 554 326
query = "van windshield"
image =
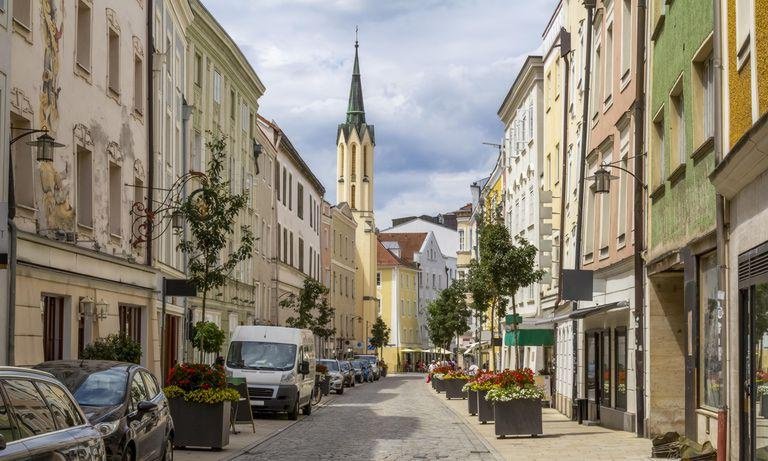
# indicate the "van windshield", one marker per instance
pixel 331 364
pixel 253 355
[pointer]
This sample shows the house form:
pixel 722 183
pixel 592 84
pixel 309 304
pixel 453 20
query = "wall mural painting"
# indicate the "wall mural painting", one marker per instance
pixel 53 29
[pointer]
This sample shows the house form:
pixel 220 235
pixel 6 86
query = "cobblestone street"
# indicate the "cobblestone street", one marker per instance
pixel 397 417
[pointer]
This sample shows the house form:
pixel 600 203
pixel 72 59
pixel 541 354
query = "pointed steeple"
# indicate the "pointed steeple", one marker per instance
pixel 355 109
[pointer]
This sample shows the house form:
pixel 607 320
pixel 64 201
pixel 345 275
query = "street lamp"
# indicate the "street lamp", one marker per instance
pixel 45 145
pixel 602 178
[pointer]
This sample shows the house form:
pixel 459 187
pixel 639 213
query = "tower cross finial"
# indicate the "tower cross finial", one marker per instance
pixel 355 36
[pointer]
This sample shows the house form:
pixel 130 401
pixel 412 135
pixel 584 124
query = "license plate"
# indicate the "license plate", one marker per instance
pixel 257 403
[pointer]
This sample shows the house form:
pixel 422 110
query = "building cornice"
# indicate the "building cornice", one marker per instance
pixel 531 72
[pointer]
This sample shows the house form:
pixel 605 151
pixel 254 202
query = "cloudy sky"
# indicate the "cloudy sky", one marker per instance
pixel 434 74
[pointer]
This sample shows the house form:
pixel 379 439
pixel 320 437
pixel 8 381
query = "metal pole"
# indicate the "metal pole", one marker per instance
pixel 590 4
pixel 163 363
pixel 639 243
pixel 150 126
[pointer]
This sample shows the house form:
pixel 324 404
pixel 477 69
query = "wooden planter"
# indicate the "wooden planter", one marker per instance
pixel 472 402
pixel 517 417
pixel 453 388
pixel 484 408
pixel 200 424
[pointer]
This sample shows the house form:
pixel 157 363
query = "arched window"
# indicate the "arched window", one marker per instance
pixel 353 160
pixel 352 202
pixel 341 160
pixel 365 161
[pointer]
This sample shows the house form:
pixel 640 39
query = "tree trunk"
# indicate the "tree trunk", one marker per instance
pixel 492 363
pixel 202 339
pixel 518 359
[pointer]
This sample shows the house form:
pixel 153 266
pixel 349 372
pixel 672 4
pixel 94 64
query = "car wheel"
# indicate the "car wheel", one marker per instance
pixel 294 413
pixel 129 454
pixel 168 451
pixel 307 410
pixel 340 390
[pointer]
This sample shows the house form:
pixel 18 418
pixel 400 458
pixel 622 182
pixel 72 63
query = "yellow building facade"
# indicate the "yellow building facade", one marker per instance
pixel 396 289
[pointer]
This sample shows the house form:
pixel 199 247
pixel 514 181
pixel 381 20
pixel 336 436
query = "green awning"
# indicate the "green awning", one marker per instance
pixel 529 338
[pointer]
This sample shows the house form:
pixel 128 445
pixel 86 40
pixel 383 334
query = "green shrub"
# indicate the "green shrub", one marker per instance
pixel 115 347
pixel 208 337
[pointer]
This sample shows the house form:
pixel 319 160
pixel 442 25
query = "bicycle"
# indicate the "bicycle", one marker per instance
pixel 317 393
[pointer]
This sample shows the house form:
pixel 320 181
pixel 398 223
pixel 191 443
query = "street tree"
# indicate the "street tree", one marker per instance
pixel 311 309
pixel 447 315
pixel 380 334
pixel 211 213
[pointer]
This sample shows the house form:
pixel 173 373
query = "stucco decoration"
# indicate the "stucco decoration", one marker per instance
pixel 138 48
pixel 57 211
pixel 20 103
pixel 112 20
pixel 138 169
pixel 82 136
pixel 53 28
pixel 115 153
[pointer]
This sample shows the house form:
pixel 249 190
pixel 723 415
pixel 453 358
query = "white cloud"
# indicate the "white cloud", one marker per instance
pixel 434 74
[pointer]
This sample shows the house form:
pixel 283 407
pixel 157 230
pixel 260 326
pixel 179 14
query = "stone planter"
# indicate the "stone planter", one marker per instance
pixel 484 408
pixel 453 388
pixel 200 424
pixel 472 402
pixel 517 417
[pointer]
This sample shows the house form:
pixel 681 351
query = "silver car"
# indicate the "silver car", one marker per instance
pixel 334 371
pixel 40 419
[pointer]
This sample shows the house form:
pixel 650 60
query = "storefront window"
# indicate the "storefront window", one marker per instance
pixel 621 368
pixel 760 364
pixel 591 367
pixel 711 379
pixel 605 353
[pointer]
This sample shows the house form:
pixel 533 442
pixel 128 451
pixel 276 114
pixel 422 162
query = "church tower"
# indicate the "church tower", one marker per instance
pixel 355 142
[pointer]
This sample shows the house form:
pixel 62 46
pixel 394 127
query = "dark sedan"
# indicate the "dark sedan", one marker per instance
pixel 124 403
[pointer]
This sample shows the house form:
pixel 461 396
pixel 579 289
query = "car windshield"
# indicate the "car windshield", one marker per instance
pixel 344 366
pixel 102 389
pixel 331 364
pixel 368 358
pixel 254 355
pixel 357 365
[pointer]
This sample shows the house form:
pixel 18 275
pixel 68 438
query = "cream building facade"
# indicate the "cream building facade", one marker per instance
pixel 78 277
pixel 224 93
pixel 348 324
pixel 355 143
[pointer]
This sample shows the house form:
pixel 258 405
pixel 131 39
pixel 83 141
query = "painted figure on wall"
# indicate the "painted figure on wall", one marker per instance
pixel 53 28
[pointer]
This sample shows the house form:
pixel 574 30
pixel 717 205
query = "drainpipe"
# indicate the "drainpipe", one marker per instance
pixel 150 127
pixel 11 348
pixel 639 219
pixel 590 5
pixel 721 233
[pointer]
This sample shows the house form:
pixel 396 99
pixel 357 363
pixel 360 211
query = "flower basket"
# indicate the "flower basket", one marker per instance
pixel 200 405
pixel 517 417
pixel 200 424
pixel 472 402
pixel 484 408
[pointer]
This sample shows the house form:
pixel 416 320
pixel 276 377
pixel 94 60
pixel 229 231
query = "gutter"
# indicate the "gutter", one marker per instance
pixel 150 126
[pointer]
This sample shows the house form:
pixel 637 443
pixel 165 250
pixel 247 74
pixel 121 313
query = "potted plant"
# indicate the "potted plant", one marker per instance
pixel 200 404
pixel 517 403
pixel 471 389
pixel 119 348
pixel 322 378
pixel 437 378
pixel 454 382
pixel 483 383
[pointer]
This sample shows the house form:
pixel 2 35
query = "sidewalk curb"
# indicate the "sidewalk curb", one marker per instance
pixel 276 432
pixel 491 449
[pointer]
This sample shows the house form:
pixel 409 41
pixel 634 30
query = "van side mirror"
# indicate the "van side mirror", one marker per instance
pixel 2 442
pixel 304 368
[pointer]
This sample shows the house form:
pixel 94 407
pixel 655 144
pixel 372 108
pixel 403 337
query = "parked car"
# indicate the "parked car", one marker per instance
pixel 359 373
pixel 367 371
pixel 374 362
pixel 349 373
pixel 278 365
pixel 39 419
pixel 124 403
pixel 334 371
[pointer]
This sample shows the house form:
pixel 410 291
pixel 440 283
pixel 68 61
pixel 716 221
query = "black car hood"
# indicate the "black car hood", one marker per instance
pixel 96 415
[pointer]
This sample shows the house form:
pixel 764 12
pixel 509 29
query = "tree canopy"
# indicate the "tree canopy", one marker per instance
pixel 311 309
pixel 447 315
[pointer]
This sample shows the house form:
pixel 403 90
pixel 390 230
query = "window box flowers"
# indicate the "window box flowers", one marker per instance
pixel 200 404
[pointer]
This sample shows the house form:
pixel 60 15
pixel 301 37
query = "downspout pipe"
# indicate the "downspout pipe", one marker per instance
pixel 150 126
pixel 720 219
pixel 590 6
pixel 12 236
pixel 639 219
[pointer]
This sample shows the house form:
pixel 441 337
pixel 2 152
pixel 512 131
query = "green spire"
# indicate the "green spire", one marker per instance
pixel 355 110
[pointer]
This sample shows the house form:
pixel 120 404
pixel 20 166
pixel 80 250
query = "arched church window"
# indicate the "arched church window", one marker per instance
pixel 352 199
pixel 365 161
pixel 341 160
pixel 353 160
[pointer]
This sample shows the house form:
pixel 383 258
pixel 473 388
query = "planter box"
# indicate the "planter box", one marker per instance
pixel 453 388
pixel 518 417
pixel 484 408
pixel 472 402
pixel 200 424
pixel 433 383
pixel 764 405
pixel 439 384
pixel 325 385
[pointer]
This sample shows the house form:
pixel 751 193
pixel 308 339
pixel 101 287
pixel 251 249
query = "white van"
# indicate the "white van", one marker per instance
pixel 278 364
